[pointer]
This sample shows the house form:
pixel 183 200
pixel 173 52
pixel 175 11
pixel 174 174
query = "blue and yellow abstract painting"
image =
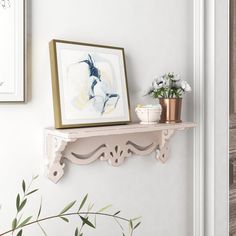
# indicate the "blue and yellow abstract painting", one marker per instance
pixel 100 89
pixel 92 84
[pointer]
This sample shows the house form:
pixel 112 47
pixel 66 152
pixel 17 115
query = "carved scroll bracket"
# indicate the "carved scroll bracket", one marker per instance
pixel 54 147
pixel 162 151
pixel 112 144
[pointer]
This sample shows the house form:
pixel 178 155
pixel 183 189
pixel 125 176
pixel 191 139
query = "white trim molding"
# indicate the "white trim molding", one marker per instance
pixel 198 162
pixel 211 73
pixel 210 117
pixel 219 139
pixel 211 76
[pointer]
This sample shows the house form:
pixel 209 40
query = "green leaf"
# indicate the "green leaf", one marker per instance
pixel 18 202
pixel 19 233
pixel 68 207
pixel 120 225
pixel 65 219
pixel 104 208
pixel 19 219
pixel 40 209
pixel 95 221
pixel 35 177
pixel 117 213
pixel 14 224
pixel 83 202
pixel 137 225
pixel 81 234
pixel 90 206
pixel 33 191
pixel 23 186
pixel 137 218
pixel 87 222
pixel 77 232
pixel 22 205
pixel 42 229
pixel 25 222
pixel 131 224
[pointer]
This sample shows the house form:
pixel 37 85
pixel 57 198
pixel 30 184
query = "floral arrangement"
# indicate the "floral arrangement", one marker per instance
pixel 86 217
pixel 5 3
pixel 169 86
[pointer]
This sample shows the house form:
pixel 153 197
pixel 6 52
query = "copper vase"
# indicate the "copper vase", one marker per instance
pixel 171 110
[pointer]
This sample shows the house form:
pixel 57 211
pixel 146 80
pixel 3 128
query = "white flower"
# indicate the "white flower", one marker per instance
pixel 158 83
pixel 177 84
pixel 185 86
pixel 155 85
pixel 176 77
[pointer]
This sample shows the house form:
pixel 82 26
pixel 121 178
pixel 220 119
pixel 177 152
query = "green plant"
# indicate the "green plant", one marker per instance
pixel 86 218
pixel 169 85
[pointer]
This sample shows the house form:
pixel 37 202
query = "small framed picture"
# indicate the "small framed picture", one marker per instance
pixel 89 84
pixel 12 48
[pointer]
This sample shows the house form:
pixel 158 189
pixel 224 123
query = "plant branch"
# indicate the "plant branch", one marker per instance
pixel 64 215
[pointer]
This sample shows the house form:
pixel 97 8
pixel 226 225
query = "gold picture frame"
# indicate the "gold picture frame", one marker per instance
pixel 89 84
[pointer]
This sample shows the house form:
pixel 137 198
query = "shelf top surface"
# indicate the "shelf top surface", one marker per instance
pixel 116 129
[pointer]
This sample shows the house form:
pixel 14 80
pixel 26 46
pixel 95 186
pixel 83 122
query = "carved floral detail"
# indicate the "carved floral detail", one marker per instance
pixel 82 149
pixel 55 164
pixel 113 153
pixel 162 153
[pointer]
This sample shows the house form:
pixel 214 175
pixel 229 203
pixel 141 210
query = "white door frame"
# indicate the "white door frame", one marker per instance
pixel 198 170
pixel 211 73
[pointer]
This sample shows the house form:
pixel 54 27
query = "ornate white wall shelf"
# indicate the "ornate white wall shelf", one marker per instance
pixel 83 146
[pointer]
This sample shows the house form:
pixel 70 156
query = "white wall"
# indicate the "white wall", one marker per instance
pixel 157 37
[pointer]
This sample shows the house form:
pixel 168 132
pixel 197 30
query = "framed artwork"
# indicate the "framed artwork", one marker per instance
pixel 89 84
pixel 12 50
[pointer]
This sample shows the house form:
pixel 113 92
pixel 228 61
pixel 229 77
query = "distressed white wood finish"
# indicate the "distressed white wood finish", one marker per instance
pixel 111 143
